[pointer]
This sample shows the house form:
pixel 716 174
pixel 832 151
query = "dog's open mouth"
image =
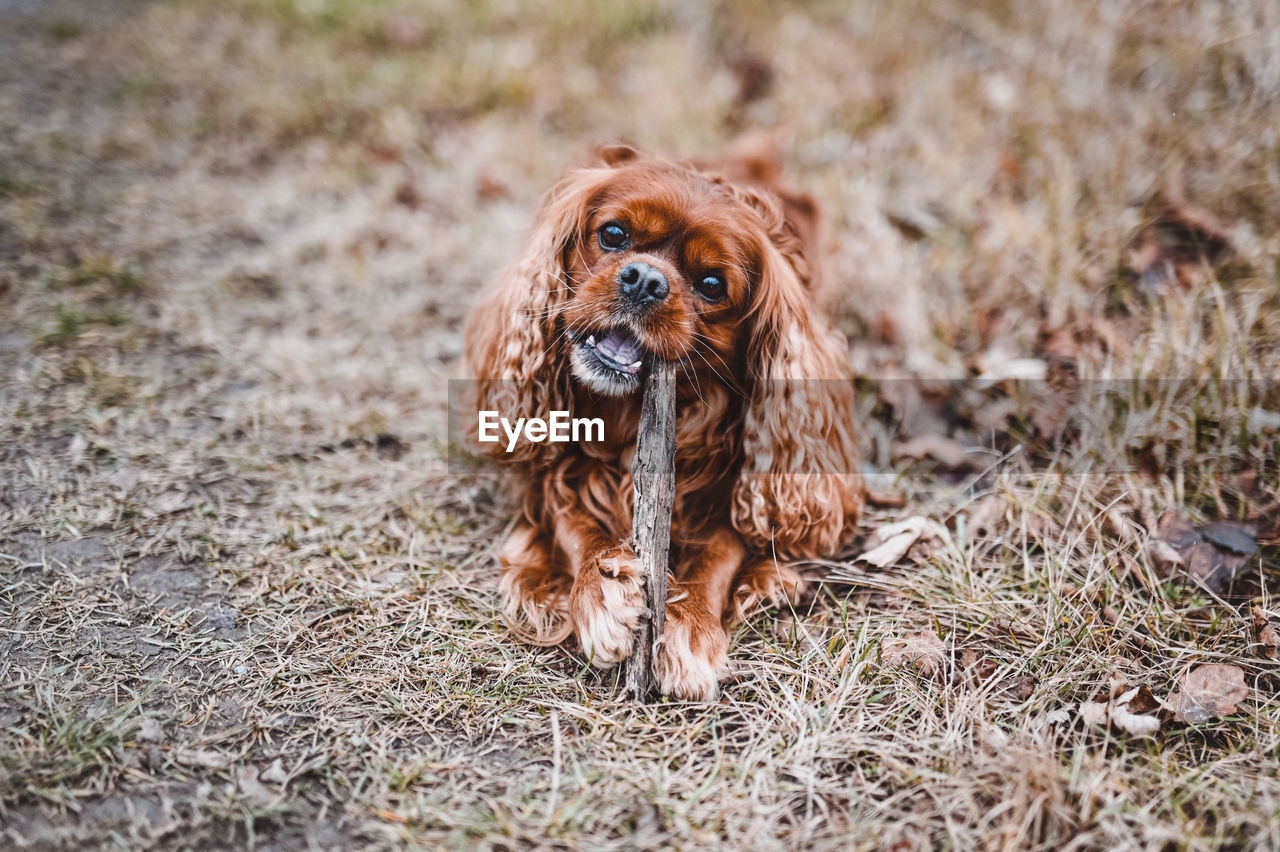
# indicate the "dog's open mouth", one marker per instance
pixel 617 350
pixel 611 360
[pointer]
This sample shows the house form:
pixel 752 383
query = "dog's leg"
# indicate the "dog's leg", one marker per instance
pixel 607 600
pixel 535 587
pixel 694 652
pixel 759 582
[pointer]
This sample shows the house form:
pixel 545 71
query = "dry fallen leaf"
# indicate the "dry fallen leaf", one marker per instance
pixel 921 647
pixel 1211 555
pixel 1268 638
pixel 275 773
pixel 946 451
pixel 1164 556
pixel 1061 716
pixel 1229 536
pixel 891 542
pixel 1133 710
pixel 1094 712
pixel 1177 536
pixel 1207 691
pixel 1023 688
pixel 974 668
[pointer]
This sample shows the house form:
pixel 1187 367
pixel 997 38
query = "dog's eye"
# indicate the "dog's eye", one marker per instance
pixel 613 237
pixel 711 287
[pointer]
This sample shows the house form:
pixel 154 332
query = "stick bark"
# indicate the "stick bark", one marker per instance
pixel 653 476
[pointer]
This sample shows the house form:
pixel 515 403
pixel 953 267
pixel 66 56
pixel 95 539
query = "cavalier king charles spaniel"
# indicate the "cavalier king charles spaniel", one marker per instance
pixel 711 266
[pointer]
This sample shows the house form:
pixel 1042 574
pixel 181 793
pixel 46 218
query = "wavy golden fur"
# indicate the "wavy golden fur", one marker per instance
pixel 636 258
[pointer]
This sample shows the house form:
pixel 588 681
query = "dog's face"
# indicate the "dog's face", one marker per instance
pixel 661 266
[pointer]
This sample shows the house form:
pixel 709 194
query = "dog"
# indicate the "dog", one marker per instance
pixel 712 266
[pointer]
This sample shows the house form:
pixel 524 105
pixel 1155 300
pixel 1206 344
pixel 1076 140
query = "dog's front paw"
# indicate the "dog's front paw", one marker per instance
pixel 693 654
pixel 607 604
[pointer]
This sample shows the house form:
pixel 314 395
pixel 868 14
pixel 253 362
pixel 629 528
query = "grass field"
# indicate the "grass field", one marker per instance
pixel 243 601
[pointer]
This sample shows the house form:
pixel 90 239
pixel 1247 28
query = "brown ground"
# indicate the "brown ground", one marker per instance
pixel 243 601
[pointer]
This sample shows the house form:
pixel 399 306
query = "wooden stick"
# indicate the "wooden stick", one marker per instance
pixel 653 475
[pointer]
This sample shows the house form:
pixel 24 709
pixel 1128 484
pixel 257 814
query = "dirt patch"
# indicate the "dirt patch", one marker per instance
pixel 168 583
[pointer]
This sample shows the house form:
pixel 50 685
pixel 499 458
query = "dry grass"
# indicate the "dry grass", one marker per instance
pixel 239 240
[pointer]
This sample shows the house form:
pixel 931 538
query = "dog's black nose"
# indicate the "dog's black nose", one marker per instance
pixel 643 284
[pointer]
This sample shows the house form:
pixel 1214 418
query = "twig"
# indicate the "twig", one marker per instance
pixel 654 479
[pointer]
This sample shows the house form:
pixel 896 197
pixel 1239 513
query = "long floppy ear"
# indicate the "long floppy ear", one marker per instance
pixel 511 337
pixel 800 490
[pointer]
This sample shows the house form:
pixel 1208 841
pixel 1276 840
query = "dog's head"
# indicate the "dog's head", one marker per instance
pixel 662 262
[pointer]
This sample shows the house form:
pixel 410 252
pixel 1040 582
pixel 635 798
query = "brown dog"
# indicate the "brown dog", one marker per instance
pixel 638 258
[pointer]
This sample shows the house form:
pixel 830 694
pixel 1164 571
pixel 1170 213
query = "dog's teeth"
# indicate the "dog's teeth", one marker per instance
pixel 591 340
pixel 634 368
